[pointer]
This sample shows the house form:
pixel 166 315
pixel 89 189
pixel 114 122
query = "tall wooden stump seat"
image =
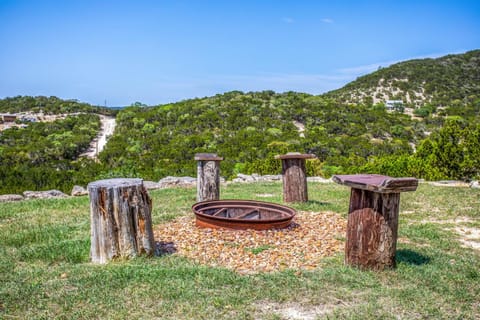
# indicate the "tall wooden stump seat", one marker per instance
pixel 208 176
pixel 373 218
pixel 121 223
pixel 294 176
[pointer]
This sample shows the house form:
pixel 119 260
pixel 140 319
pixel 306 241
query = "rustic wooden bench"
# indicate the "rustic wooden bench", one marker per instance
pixel 373 218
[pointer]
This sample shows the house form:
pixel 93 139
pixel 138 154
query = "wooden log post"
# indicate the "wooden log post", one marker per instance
pixel 208 176
pixel 372 224
pixel 294 176
pixel 121 223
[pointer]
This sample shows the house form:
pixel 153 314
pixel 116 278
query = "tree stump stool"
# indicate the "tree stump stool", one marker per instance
pixel 294 176
pixel 121 223
pixel 373 219
pixel 208 176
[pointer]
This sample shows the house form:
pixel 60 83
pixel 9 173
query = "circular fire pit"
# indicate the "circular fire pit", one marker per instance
pixel 242 214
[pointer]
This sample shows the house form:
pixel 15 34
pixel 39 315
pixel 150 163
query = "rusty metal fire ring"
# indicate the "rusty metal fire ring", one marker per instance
pixel 242 214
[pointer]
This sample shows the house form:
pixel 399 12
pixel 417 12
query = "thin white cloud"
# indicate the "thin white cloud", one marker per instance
pixel 364 69
pixel 327 20
pixel 288 20
pixel 359 70
pixel 171 89
pixel 181 88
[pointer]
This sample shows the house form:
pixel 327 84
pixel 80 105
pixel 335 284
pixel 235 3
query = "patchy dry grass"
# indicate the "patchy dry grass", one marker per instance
pixel 45 271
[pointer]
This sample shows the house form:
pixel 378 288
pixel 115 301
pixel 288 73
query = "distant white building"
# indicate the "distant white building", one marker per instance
pixel 7 117
pixel 393 104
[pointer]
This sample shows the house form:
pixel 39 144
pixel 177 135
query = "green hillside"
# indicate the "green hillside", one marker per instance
pixel 448 81
pixel 249 129
pixel 49 105
pixel 345 129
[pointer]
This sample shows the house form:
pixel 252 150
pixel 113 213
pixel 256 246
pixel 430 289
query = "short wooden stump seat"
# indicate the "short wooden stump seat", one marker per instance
pixel 121 222
pixel 294 176
pixel 208 176
pixel 373 218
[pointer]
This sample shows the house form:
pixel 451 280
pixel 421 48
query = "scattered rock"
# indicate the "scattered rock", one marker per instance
pixel 79 191
pixel 169 182
pixel 318 179
pixel 475 185
pixel 152 185
pixel 44 194
pixel 271 177
pixel 10 197
pixel 245 178
pixel 449 183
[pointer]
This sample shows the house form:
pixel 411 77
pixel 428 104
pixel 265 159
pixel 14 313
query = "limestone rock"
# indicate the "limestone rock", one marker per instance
pixel 44 194
pixel 271 177
pixel 169 182
pixel 152 185
pixel 10 197
pixel 318 179
pixel 79 191
pixel 245 178
pixel 449 183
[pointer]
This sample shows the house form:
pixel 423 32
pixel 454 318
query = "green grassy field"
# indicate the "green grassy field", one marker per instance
pixel 45 271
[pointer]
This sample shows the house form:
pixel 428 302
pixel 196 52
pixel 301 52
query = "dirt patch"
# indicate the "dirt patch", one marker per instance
pixel 294 311
pixel 469 236
pixel 300 127
pixel 456 220
pixel 311 237
pixel 265 195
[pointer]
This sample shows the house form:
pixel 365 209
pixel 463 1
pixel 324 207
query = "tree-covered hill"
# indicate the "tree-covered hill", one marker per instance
pixel 45 155
pixel 49 105
pixel 249 129
pixel 449 81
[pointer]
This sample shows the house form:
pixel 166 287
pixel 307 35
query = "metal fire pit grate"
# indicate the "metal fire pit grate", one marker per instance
pixel 242 214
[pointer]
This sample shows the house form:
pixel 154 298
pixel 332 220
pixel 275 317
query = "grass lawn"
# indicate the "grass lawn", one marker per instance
pixel 45 271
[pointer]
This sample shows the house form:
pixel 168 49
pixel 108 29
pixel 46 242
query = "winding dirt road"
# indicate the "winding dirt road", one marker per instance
pixel 97 145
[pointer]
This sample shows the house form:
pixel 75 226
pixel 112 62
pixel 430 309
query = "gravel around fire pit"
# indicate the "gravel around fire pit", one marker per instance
pixel 311 237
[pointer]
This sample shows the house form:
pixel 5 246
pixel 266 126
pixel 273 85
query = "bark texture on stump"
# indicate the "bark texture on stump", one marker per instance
pixel 373 219
pixel 294 177
pixel 372 229
pixel 208 176
pixel 121 223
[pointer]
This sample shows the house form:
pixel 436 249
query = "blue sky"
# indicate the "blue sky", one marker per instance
pixel 165 51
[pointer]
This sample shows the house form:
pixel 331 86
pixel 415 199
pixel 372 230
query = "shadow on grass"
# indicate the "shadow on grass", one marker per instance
pixel 318 203
pixel 164 247
pixel 411 257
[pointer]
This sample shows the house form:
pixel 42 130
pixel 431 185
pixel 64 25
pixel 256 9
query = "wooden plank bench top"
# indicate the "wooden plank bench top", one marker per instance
pixel 295 155
pixel 377 183
pixel 207 157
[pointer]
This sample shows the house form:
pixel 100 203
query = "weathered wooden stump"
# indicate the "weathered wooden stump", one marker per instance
pixel 294 176
pixel 208 176
pixel 121 223
pixel 373 219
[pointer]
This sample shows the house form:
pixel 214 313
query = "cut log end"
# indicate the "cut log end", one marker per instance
pixel 121 223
